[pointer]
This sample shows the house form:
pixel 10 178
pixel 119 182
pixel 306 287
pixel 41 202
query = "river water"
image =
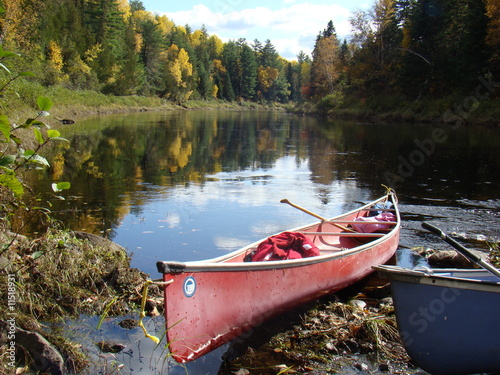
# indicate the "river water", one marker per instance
pixel 189 185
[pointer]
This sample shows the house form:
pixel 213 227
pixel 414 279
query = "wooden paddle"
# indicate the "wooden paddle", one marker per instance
pixel 462 250
pixel 316 215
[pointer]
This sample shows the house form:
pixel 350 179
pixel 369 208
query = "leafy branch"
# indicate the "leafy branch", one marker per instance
pixel 12 163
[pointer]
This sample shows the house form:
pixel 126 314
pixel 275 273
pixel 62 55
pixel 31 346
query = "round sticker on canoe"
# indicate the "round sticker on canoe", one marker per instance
pixel 189 286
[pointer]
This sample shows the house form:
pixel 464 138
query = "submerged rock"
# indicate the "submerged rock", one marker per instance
pixel 449 259
pixel 108 346
pixel 128 323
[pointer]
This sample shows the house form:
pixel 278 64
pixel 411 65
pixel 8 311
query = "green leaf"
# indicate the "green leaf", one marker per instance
pixel 53 133
pixel 37 254
pixel 44 103
pixel 59 186
pixel 4 54
pixel 15 139
pixel 4 67
pixel 38 136
pixel 60 139
pixel 39 160
pixel 33 122
pixel 6 169
pixel 7 160
pixel 5 126
pixel 12 183
pixel 26 74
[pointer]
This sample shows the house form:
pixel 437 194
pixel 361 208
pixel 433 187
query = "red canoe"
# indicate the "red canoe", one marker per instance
pixel 210 302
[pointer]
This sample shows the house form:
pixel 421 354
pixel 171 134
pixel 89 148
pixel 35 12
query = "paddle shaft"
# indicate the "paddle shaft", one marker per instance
pixel 462 250
pixel 315 215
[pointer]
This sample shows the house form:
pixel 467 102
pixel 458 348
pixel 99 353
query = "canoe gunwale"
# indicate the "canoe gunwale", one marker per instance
pixel 222 263
pixel 440 280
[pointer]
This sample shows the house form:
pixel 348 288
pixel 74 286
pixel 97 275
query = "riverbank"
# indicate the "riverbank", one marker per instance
pixel 55 277
pixel 453 109
pixel 73 104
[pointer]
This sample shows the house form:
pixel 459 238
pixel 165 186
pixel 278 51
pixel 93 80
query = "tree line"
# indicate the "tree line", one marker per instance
pixel 407 48
pixel 404 48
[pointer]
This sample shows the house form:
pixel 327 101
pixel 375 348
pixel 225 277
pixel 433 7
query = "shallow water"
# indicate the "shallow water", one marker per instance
pixel 189 185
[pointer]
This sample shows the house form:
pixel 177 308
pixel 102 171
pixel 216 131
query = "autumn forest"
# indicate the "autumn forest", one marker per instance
pixel 400 49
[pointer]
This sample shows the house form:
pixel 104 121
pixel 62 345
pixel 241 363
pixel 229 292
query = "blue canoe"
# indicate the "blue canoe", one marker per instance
pixel 448 319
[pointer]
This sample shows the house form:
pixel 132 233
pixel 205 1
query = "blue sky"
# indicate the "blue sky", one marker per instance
pixel 291 25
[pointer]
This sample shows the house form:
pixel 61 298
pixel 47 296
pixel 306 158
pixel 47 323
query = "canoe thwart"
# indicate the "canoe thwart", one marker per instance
pixel 344 234
pixel 362 222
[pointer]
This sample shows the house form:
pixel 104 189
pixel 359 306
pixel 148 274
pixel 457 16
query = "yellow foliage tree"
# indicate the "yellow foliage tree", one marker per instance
pixel 218 67
pixel 143 15
pixel 325 70
pixel 197 38
pixel 493 36
pixel 54 56
pixel 266 77
pixel 178 73
pixel 124 7
pixel 165 24
pixel 54 72
pixel 21 18
pixel 216 44
pixel 215 91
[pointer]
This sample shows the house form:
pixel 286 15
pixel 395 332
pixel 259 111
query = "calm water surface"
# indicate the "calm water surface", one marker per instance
pixel 189 185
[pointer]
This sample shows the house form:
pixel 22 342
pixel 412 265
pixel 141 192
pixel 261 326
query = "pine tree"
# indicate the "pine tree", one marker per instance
pixel 131 75
pixel 107 25
pixel 249 72
pixel 268 55
pixel 231 61
pixel 152 44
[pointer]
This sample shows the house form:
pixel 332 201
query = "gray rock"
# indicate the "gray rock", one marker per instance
pixel 45 358
pixel 98 241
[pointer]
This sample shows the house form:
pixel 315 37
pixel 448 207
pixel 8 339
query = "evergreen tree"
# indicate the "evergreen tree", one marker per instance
pixel 231 61
pixel 136 5
pixel 249 72
pixel 107 25
pixel 152 44
pixel 446 42
pixel 329 31
pixel 268 55
pixel 462 49
pixel 131 75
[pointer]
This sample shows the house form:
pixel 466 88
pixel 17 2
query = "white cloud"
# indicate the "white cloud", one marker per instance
pixel 291 29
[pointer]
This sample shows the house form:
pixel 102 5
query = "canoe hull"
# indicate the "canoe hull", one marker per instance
pixel 208 304
pixel 448 322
